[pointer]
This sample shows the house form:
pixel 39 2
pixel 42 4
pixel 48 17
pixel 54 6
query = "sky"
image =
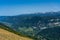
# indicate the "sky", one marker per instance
pixel 17 7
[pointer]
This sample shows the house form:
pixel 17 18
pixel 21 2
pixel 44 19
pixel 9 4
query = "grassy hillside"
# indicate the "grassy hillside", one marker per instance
pixel 9 34
pixel 6 35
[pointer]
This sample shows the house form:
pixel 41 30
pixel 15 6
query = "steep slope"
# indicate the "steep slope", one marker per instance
pixel 6 35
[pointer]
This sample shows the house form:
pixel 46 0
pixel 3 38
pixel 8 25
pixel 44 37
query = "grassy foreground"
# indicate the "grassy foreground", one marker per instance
pixel 6 35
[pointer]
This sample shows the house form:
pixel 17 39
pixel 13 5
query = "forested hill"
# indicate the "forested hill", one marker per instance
pixel 35 24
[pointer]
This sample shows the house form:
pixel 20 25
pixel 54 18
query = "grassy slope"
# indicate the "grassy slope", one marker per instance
pixel 6 35
pixel 11 34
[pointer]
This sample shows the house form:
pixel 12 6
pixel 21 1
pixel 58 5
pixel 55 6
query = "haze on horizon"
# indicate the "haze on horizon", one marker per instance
pixel 16 7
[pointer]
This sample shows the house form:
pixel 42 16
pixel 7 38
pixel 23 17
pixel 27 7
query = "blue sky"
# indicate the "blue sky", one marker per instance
pixel 16 7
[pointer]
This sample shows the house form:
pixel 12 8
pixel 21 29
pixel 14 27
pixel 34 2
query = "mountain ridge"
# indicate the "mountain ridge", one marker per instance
pixel 32 24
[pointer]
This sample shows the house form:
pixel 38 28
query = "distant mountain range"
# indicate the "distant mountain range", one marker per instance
pixel 45 26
